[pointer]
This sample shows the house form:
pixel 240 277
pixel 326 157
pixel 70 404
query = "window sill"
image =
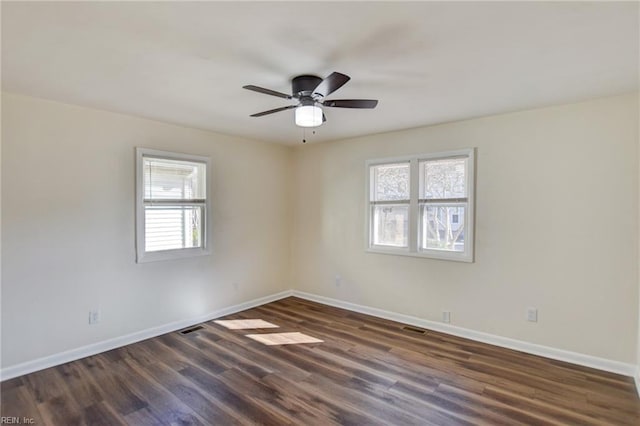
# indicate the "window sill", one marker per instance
pixel 438 255
pixel 158 256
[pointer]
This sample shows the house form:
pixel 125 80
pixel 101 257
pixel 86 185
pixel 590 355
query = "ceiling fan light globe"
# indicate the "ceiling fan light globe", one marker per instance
pixel 308 116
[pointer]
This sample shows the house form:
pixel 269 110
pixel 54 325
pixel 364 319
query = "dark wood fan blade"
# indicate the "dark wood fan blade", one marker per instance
pixel 271 111
pixel 267 91
pixel 331 84
pixel 351 103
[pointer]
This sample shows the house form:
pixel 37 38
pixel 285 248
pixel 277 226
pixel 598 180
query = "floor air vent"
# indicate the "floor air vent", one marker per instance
pixel 191 329
pixel 414 329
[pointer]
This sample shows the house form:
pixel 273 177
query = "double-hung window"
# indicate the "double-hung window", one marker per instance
pixel 390 202
pixel 171 205
pixel 422 205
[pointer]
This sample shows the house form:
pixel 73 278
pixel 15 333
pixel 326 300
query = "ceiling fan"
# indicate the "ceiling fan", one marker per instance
pixel 311 91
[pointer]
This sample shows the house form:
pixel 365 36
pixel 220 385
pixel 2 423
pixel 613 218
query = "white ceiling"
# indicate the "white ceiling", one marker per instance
pixel 427 63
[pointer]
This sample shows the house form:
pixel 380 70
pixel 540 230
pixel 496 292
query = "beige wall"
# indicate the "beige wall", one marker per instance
pixel 68 227
pixel 294 218
pixel 556 227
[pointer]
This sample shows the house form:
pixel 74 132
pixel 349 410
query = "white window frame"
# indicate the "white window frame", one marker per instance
pixel 143 256
pixel 414 208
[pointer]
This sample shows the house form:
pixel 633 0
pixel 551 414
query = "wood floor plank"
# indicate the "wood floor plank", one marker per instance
pixel 276 398
pixel 100 414
pixel 367 371
pixel 45 385
pixel 115 387
pixel 62 410
pixel 496 412
pixel 19 402
pixel 207 406
pixel 256 352
pixel 236 399
pixel 80 384
pixel 549 411
pixel 335 411
pixel 161 403
pixel 145 417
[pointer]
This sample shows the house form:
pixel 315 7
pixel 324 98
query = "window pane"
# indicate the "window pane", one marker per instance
pixel 390 225
pixel 446 178
pixel 442 227
pixel 173 179
pixel 172 227
pixel 390 182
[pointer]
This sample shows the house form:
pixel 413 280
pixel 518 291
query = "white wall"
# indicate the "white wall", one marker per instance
pixel 556 227
pixel 68 227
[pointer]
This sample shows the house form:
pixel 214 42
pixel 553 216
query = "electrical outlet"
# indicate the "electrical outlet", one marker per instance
pixel 94 317
pixel 446 316
pixel 338 280
pixel 532 314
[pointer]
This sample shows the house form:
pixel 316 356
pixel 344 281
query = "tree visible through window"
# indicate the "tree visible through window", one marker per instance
pixel 390 204
pixel 443 196
pixel 422 205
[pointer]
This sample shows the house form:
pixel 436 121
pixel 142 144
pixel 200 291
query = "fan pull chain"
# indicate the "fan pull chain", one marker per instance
pixel 304 134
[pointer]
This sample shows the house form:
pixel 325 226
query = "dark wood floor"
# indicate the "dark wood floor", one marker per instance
pixel 367 371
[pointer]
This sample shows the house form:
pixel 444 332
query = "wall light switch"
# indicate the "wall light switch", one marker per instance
pixel 532 314
pixel 94 317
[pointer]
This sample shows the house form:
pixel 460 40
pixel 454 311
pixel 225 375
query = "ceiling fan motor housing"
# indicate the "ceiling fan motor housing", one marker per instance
pixel 303 85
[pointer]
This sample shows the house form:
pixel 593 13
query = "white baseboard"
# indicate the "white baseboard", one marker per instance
pixel 107 345
pixel 636 378
pixel 518 345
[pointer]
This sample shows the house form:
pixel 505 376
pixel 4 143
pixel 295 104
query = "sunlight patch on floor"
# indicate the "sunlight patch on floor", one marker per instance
pixel 271 339
pixel 245 324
